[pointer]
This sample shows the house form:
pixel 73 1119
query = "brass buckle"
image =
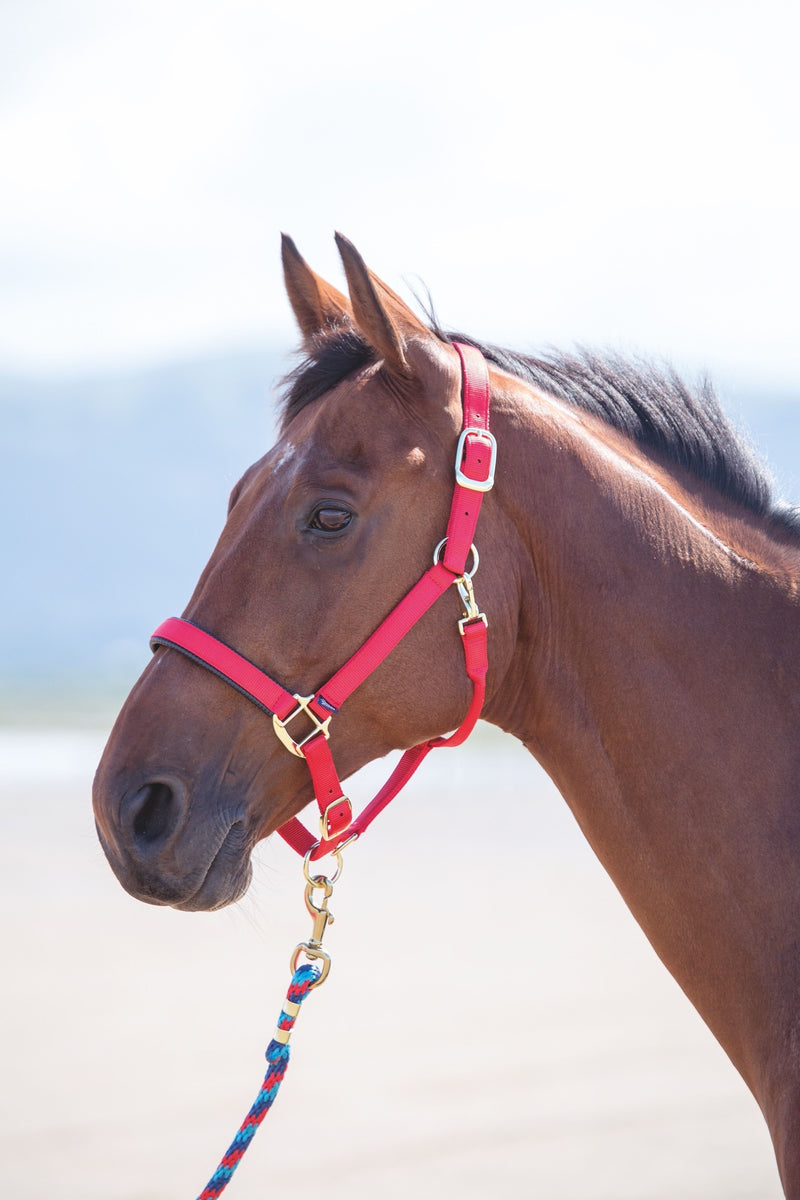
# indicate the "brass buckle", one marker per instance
pixel 476 485
pixel 319 726
pixel 325 817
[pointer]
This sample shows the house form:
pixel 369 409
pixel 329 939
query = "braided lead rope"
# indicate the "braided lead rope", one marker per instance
pixel 277 1055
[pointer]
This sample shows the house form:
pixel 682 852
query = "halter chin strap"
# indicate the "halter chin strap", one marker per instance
pixel 474 470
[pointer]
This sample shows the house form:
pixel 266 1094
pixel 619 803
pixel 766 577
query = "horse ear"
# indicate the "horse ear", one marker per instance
pixel 316 304
pixel 385 320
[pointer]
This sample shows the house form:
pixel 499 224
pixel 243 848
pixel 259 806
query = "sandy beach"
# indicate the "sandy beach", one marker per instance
pixel 495 1026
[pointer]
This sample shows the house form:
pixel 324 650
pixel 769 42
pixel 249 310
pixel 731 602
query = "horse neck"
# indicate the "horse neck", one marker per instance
pixel 643 593
pixel 654 678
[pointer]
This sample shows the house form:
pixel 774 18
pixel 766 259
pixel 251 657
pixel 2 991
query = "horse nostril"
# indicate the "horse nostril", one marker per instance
pixel 155 811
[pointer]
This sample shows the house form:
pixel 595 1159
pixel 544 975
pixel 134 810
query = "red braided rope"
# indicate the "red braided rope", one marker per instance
pixel 277 1056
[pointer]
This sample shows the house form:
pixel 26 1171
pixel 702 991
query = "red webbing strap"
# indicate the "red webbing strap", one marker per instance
pixel 474 467
pixel 475 462
pixel 464 511
pixel 476 661
pixel 295 834
pixel 390 633
pixel 230 666
pixel 474 474
pixel 337 817
pixel 336 811
pixel 474 387
pixel 253 683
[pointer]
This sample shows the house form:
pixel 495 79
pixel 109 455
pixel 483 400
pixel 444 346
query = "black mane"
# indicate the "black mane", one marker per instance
pixel 651 405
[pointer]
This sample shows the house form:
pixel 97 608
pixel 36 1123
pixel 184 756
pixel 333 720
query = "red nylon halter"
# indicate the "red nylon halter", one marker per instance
pixel 474 468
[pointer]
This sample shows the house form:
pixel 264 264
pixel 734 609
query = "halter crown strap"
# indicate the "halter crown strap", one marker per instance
pixel 474 471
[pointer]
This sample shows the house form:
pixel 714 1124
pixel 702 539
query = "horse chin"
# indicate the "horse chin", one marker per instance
pixel 219 889
pixel 224 881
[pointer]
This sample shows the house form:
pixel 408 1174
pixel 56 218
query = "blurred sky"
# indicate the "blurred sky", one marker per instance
pixel 623 173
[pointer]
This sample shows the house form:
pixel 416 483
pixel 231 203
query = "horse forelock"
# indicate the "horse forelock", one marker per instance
pixel 333 357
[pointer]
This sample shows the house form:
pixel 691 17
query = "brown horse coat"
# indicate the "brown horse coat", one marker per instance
pixel 642 597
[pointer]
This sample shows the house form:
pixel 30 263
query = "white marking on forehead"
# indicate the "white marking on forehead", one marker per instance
pixel 288 459
pixel 286 455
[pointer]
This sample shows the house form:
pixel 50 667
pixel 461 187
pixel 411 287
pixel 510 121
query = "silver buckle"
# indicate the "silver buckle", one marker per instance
pixel 476 485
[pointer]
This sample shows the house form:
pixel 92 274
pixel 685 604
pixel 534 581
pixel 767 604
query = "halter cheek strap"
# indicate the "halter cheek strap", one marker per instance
pixel 474 471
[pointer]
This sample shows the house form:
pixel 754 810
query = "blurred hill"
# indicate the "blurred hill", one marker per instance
pixel 114 490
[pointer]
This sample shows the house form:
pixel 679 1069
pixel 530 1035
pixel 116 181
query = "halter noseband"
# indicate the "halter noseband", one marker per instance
pixel 474 471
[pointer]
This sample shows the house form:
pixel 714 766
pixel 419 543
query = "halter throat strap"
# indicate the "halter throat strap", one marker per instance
pixel 474 472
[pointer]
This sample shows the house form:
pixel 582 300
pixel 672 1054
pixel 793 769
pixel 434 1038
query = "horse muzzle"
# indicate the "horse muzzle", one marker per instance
pixel 162 858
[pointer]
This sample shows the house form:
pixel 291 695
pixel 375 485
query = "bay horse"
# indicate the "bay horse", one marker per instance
pixel 642 590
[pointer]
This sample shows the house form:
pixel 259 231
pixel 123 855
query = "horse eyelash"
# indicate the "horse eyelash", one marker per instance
pixel 326 507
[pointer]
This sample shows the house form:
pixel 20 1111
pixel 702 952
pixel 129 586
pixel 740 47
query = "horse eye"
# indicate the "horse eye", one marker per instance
pixel 331 520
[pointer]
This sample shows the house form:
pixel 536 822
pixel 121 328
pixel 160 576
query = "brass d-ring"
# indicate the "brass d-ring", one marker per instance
pixel 320 880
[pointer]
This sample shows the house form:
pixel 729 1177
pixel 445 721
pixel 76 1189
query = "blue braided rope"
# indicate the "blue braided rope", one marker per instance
pixel 277 1055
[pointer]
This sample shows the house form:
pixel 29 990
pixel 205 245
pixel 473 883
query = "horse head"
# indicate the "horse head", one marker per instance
pixel 323 537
